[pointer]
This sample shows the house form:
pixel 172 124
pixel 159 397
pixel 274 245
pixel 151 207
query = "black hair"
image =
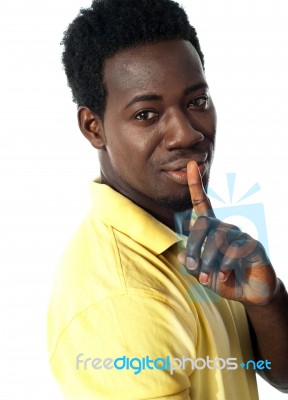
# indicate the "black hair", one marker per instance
pixel 110 26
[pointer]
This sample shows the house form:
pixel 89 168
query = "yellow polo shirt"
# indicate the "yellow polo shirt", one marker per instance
pixel 127 322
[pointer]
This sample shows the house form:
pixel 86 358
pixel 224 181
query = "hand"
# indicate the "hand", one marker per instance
pixel 224 259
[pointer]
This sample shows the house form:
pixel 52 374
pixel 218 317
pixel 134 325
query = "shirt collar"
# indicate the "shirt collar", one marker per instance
pixel 118 211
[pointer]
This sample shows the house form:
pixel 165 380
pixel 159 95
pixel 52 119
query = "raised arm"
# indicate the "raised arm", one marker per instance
pixel 236 266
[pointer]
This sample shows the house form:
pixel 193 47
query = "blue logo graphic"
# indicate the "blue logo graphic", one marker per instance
pixel 251 216
pixel 256 365
pixel 168 363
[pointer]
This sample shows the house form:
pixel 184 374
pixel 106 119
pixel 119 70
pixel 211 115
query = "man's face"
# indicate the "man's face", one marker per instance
pixel 158 117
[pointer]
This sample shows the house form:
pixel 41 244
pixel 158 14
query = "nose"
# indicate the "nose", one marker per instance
pixel 181 133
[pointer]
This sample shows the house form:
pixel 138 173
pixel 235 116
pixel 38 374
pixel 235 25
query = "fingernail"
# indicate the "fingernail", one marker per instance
pixel 204 278
pixel 182 258
pixel 222 276
pixel 191 263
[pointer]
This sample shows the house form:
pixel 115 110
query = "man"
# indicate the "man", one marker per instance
pixel 135 312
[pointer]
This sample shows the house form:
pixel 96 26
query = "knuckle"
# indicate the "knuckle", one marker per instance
pixel 236 237
pixel 213 233
pixel 231 227
pixel 200 200
pixel 201 223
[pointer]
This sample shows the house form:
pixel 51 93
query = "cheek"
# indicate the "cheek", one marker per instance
pixel 125 153
pixel 136 147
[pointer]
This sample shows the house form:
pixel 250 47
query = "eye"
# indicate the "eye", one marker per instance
pixel 145 115
pixel 199 102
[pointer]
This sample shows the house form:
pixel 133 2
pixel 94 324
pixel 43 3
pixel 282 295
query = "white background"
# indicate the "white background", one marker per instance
pixel 46 165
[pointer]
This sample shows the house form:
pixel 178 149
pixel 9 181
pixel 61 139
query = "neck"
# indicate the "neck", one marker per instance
pixel 167 217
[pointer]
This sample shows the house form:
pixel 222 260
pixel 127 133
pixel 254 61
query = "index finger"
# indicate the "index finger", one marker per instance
pixel 199 198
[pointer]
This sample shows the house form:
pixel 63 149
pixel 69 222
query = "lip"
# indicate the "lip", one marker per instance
pixel 181 176
pixel 177 171
pixel 182 163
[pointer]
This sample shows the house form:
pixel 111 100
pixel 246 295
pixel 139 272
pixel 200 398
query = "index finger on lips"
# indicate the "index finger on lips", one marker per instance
pixel 199 198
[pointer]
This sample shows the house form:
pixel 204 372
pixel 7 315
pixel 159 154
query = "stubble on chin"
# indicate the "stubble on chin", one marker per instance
pixel 176 204
pixel 179 204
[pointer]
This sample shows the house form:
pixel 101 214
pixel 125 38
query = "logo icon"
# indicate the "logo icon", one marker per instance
pixel 250 218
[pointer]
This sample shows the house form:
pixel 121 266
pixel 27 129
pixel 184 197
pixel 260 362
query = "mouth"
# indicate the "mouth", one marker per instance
pixel 177 172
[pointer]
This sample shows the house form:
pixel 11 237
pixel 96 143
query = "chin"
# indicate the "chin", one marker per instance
pixel 176 204
pixel 180 204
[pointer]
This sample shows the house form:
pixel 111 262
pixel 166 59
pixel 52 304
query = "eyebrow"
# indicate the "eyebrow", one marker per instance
pixel 144 97
pixel 155 97
pixel 193 88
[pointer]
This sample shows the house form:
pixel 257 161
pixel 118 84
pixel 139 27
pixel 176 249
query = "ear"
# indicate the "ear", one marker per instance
pixel 92 127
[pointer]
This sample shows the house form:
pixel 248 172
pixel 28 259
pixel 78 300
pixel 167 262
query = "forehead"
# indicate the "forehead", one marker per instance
pixel 152 67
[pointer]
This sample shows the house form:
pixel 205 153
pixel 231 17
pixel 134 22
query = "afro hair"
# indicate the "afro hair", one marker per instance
pixel 111 26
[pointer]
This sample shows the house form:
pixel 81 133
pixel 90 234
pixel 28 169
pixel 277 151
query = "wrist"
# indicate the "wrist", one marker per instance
pixel 277 299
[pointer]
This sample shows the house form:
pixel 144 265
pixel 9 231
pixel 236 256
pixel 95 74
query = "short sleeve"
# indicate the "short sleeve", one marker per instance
pixel 123 348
